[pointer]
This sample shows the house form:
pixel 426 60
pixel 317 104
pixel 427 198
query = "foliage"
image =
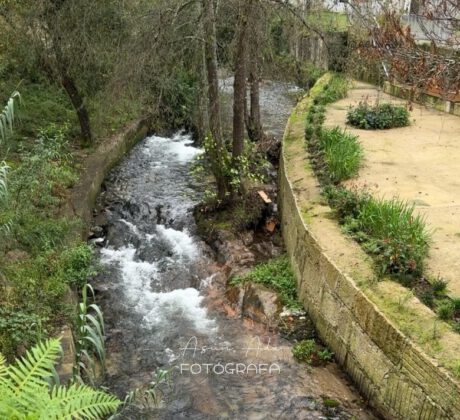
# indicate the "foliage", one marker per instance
pixel 17 329
pixel 25 392
pixel 304 351
pixel 75 265
pixel 276 274
pixel 88 336
pixel 248 168
pixel 310 352
pixel 343 153
pixel 446 310
pixel 336 89
pixel 380 116
pixel 335 154
pixel 388 229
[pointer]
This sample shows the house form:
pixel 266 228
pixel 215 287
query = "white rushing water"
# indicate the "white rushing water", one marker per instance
pixel 160 308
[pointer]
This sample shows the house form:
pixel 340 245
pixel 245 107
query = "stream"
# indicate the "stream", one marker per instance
pixel 162 294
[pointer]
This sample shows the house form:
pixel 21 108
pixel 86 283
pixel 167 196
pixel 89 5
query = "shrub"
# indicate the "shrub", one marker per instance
pixel 343 154
pixel 304 351
pixel 277 275
pixel 445 310
pixel 439 286
pixel 380 116
pixel 75 265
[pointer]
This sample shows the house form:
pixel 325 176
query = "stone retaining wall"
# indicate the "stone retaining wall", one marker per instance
pixel 97 166
pixel 396 376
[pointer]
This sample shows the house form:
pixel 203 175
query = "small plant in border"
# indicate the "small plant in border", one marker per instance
pixel 378 117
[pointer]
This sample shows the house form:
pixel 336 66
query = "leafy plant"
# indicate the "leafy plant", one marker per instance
pixel 304 351
pixel 88 336
pixel 343 154
pixel 276 274
pixel 26 393
pixel 380 116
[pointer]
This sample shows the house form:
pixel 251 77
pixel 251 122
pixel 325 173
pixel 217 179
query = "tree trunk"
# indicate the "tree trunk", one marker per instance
pixel 239 85
pixel 210 53
pixel 255 131
pixel 79 106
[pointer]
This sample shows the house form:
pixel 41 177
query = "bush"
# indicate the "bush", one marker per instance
pixel 304 351
pixel 379 116
pixel 277 275
pixel 446 311
pixel 343 154
pixel 76 265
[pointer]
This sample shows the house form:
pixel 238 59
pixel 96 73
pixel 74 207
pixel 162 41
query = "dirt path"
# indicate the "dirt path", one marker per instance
pixel 419 163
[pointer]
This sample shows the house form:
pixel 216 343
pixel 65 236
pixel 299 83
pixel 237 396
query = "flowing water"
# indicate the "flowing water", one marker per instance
pixel 161 292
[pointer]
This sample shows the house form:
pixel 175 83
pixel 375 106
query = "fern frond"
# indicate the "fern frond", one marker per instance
pixel 81 402
pixel 30 371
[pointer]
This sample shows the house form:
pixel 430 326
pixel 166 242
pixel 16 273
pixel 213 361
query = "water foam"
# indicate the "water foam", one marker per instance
pixel 181 242
pixel 180 145
pixel 186 303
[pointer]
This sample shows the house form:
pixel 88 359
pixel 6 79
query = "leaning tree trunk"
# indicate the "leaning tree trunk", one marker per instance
pixel 210 53
pixel 79 106
pixel 239 85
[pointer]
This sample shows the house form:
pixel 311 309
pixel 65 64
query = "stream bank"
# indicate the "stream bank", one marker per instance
pixel 163 293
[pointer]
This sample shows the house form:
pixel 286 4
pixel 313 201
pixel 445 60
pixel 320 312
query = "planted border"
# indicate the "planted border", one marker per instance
pixel 388 230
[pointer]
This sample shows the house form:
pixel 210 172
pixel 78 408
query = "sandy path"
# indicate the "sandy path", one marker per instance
pixel 421 164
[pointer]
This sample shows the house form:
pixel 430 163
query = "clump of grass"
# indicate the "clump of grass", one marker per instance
pixel 388 229
pixel 380 116
pixel 343 154
pixel 445 311
pixel 439 286
pixel 336 89
pixel 277 275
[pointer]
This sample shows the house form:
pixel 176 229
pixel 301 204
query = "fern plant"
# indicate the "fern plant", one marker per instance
pixel 25 391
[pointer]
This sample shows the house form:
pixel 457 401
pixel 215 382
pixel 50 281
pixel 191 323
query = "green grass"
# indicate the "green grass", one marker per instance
pixel 387 229
pixel 343 154
pixel 277 275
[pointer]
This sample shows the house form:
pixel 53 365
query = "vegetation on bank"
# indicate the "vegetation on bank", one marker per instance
pixel 277 275
pixel 388 230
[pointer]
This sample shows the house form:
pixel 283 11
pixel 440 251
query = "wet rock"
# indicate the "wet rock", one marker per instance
pixel 261 304
pixel 296 325
pixel 235 295
pixel 266 250
pixel 96 232
pixel 247 237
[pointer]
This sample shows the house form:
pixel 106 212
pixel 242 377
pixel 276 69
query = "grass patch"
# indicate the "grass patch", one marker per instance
pixel 378 117
pixel 343 154
pixel 41 255
pixel 277 275
pixel 387 229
